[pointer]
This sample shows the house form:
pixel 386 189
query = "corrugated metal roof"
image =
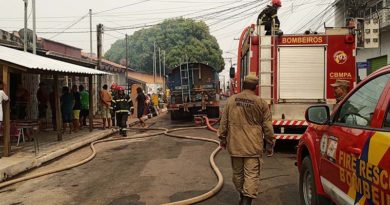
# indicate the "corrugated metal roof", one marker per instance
pixel 36 62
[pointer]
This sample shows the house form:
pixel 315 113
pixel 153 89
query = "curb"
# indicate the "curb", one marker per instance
pixel 39 160
pixel 35 162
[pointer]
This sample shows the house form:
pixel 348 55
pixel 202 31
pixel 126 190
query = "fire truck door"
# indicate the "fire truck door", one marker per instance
pixel 350 148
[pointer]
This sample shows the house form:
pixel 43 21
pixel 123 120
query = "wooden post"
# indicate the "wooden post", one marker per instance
pixel 58 108
pixel 6 114
pixel 90 90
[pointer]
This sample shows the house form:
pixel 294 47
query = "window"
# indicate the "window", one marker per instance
pixel 375 40
pixel 386 121
pixel 359 108
pixel 368 31
pixel 368 40
pixel 375 30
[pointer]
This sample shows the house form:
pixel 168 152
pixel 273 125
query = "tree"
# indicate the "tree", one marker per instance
pixel 178 37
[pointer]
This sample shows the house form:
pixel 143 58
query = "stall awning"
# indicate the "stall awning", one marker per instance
pixel 35 62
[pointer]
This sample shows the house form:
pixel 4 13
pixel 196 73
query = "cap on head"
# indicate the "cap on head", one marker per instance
pixel 251 79
pixel 340 83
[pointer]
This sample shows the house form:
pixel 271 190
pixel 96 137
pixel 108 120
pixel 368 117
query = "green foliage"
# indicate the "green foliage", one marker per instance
pixel 178 37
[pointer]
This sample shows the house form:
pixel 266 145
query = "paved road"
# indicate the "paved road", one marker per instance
pixel 152 171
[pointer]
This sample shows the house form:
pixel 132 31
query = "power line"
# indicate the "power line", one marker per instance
pixel 70 26
pixel 120 7
pixel 237 14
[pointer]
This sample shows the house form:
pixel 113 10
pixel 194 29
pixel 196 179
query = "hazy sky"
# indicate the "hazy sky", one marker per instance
pixel 226 18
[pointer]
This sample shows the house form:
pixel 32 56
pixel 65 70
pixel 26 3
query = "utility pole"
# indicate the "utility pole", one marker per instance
pixel 164 71
pixel 127 64
pixel 25 25
pixel 159 61
pixel 99 30
pixel 34 28
pixel 90 34
pixel 154 62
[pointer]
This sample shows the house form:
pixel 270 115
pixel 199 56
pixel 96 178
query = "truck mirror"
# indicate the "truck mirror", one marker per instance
pixel 232 72
pixel 318 114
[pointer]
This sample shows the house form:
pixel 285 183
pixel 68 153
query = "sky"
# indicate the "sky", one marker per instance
pixel 68 21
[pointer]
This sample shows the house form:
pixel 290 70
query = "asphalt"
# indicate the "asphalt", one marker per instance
pixel 152 171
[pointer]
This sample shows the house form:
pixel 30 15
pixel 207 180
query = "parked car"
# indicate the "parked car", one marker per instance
pixel 344 157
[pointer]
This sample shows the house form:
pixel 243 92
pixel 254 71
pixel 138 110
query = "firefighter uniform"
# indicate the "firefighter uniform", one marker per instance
pixel 245 119
pixel 122 106
pixel 269 17
pixel 113 92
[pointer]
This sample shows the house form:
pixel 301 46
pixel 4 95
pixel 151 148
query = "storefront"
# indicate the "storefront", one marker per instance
pixel 15 63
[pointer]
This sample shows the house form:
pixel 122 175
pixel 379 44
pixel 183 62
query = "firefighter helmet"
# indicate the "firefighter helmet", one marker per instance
pixel 276 3
pixel 113 86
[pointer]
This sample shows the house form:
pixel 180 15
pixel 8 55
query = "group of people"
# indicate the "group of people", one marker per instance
pixel 117 105
pixel 74 107
pixel 246 119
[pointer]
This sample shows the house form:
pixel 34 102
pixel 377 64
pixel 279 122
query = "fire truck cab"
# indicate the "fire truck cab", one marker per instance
pixel 295 71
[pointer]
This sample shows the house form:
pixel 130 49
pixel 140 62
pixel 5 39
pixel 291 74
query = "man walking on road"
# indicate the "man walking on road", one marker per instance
pixel 122 107
pixel 245 119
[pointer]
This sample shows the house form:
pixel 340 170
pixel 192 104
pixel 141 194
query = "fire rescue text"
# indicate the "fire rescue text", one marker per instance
pixel 366 179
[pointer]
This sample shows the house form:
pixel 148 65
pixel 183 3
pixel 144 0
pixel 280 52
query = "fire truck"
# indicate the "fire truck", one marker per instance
pixel 295 71
pixel 194 88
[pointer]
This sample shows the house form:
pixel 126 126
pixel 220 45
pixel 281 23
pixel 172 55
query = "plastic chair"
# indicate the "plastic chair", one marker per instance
pixel 14 132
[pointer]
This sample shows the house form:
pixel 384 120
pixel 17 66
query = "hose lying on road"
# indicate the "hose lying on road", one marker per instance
pixel 93 154
pixel 217 172
pixel 161 131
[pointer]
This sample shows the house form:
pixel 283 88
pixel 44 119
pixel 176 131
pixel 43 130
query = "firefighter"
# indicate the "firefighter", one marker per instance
pixel 113 94
pixel 122 107
pixel 269 14
pixel 341 88
pixel 246 117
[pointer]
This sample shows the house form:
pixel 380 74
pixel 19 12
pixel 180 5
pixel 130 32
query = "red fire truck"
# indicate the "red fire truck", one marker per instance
pixel 295 71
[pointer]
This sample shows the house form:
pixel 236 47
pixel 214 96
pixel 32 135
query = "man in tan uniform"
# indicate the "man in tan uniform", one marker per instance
pixel 245 119
pixel 341 88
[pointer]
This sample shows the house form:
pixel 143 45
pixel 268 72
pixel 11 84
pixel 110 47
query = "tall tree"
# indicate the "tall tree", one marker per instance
pixel 179 37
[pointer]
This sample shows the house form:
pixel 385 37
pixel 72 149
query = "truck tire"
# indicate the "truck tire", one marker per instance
pixel 212 112
pixel 174 115
pixel 307 188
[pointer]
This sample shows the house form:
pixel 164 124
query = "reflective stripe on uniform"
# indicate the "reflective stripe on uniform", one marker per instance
pixel 122 111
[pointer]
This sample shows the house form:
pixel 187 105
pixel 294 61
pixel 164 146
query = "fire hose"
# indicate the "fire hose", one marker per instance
pixel 160 131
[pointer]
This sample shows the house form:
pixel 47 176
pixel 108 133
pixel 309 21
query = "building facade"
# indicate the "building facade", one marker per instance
pixel 371 12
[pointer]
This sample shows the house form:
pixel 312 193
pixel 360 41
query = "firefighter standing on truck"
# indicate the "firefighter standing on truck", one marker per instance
pixel 122 106
pixel 268 15
pixel 245 119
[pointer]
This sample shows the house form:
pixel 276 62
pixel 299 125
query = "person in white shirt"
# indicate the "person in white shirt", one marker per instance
pixel 3 97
